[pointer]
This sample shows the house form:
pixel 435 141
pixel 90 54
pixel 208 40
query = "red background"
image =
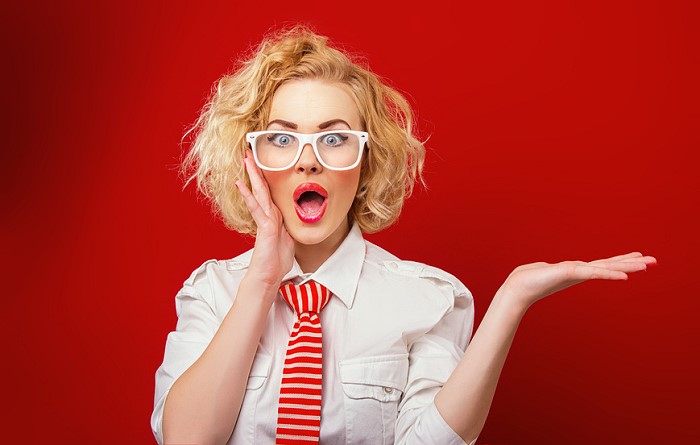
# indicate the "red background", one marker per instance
pixel 559 130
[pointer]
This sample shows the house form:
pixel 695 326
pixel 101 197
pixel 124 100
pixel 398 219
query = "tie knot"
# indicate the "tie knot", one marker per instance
pixel 308 297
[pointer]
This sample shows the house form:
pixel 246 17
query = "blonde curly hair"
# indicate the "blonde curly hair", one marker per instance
pixel 240 103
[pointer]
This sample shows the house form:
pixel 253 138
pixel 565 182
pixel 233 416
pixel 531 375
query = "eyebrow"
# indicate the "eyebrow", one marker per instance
pixel 321 126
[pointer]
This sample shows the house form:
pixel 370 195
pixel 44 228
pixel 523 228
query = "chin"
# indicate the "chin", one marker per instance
pixel 310 234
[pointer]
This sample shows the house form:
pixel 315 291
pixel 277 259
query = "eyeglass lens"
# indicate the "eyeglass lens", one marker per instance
pixel 277 150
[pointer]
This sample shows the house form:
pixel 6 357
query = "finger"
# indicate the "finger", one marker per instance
pixel 621 257
pixel 588 272
pixel 624 266
pixel 646 260
pixel 258 214
pixel 258 185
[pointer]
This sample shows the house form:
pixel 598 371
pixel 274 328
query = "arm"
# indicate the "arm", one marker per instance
pixel 433 356
pixel 466 397
pixel 203 404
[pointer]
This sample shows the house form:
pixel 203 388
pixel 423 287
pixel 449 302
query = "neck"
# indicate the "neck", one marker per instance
pixel 311 256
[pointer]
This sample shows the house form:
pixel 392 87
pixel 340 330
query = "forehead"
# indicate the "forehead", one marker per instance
pixel 308 102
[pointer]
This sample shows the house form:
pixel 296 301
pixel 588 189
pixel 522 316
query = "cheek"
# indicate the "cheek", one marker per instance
pixel 276 185
pixel 348 184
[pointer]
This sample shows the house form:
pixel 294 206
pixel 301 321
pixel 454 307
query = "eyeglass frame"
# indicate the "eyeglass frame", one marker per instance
pixel 304 140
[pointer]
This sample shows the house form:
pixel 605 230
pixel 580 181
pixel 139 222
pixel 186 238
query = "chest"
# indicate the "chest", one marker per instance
pixel 365 371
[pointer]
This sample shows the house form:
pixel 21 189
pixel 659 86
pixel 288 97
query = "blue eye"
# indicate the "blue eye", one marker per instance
pixel 333 140
pixel 281 140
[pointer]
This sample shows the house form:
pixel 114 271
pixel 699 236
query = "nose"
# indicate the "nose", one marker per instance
pixel 308 163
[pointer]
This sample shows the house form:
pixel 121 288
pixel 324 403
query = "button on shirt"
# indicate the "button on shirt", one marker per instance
pixel 393 332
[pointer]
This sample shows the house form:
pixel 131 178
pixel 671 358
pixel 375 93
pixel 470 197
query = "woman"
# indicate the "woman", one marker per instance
pixel 379 356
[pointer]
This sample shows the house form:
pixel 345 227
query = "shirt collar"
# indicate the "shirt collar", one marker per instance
pixel 341 271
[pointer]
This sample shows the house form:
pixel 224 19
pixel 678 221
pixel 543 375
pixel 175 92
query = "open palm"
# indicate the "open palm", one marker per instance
pixel 534 281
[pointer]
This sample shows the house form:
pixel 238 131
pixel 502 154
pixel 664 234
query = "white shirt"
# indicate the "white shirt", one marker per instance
pixel 393 332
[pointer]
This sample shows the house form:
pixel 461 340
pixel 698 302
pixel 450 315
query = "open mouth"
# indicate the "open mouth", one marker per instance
pixel 310 202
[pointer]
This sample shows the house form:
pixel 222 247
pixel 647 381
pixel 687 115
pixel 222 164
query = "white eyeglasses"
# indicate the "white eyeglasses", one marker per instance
pixel 280 150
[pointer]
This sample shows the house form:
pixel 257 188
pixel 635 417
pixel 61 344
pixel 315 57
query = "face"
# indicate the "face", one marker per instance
pixel 312 106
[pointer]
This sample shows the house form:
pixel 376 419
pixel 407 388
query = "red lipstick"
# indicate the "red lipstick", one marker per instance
pixel 310 202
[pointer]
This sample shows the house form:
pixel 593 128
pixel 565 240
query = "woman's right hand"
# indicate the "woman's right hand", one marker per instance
pixel 273 255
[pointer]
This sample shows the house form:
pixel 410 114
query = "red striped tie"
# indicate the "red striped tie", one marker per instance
pixel 299 410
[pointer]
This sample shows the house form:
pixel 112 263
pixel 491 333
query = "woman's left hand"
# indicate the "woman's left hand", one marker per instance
pixel 531 282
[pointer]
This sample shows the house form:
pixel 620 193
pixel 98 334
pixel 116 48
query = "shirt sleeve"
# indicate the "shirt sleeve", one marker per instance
pixel 196 326
pixel 432 358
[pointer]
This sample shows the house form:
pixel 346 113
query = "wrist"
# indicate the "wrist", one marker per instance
pixel 510 299
pixel 257 289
